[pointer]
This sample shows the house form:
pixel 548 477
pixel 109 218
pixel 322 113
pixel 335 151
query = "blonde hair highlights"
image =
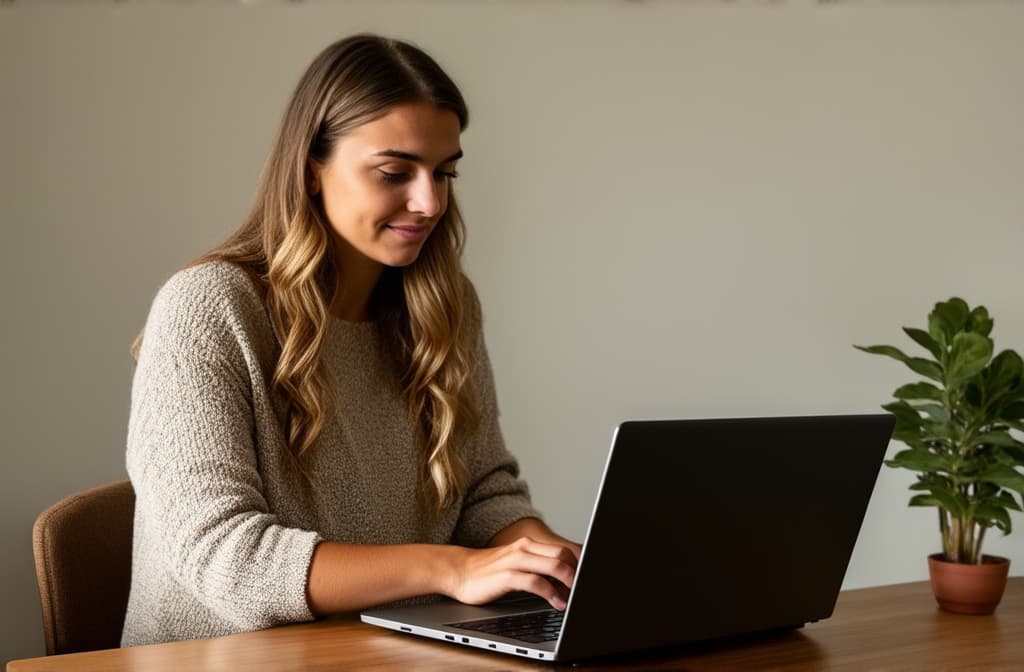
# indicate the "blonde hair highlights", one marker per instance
pixel 284 246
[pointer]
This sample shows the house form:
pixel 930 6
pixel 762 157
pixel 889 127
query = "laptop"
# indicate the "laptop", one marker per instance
pixel 702 529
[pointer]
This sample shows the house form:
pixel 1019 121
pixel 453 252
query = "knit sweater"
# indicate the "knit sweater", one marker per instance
pixel 224 528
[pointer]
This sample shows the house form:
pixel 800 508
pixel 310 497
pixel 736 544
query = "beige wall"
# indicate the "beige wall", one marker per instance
pixel 676 209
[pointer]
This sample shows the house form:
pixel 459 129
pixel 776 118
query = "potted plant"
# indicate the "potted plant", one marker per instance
pixel 959 427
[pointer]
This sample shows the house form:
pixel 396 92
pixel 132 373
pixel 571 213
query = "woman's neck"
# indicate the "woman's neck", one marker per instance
pixel 357 278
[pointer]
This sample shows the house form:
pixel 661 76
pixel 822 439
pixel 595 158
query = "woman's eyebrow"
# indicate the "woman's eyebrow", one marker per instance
pixel 415 158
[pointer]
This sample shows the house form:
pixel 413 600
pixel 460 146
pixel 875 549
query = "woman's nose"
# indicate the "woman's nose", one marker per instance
pixel 426 196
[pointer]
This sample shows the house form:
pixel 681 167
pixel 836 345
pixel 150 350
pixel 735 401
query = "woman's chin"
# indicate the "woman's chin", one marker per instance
pixel 401 260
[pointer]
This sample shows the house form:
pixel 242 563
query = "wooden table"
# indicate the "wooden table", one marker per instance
pixel 886 628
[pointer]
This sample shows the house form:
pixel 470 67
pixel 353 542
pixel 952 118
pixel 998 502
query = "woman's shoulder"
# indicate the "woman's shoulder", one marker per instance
pixel 207 294
pixel 471 303
pixel 211 284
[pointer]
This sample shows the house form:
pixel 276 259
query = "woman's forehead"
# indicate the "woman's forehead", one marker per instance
pixel 417 130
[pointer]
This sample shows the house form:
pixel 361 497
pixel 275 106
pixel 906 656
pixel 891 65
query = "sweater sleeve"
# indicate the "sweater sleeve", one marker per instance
pixel 495 497
pixel 192 462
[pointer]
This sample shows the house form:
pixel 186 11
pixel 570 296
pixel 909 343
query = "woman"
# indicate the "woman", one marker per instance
pixel 314 426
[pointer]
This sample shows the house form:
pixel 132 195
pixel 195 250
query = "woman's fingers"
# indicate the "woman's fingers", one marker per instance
pixel 567 554
pixel 546 570
pixel 556 595
pixel 558 566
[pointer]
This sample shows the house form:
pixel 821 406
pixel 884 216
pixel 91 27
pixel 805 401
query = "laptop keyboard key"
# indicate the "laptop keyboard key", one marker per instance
pixel 533 627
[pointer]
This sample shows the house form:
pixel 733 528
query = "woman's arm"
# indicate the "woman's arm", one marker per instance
pixel 211 555
pixel 347 577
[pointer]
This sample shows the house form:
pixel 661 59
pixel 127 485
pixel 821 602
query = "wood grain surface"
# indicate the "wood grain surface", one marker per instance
pixel 886 628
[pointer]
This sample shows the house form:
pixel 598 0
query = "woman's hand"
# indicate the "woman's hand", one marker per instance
pixel 544 569
pixel 535 529
pixel 524 556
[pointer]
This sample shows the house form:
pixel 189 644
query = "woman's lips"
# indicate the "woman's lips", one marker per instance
pixel 410 233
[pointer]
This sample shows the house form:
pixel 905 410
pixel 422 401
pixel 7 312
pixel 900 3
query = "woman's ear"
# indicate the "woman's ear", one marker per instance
pixel 313 177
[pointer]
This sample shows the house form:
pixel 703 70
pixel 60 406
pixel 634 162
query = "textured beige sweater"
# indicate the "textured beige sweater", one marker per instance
pixel 224 532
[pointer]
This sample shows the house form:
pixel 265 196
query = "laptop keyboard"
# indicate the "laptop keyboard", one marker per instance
pixel 533 627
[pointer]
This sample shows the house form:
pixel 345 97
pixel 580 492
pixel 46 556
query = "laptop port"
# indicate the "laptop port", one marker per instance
pixel 405 629
pixel 522 651
pixel 450 638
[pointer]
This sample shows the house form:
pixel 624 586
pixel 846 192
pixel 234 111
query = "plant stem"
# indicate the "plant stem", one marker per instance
pixel 978 557
pixel 947 548
pixel 967 543
pixel 955 539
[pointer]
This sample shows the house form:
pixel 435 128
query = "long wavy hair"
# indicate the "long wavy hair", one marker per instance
pixel 284 245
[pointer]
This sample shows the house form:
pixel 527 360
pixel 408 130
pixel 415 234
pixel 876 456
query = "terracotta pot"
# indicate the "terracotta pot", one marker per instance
pixel 968 589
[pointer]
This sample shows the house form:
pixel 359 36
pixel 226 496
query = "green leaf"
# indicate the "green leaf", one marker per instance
pixel 913 440
pixel 918 391
pixel 954 312
pixel 986 490
pixel 994 513
pixel 951 501
pixel 1014 411
pixel 925 367
pixel 967 357
pixel 908 422
pixel 1003 375
pixel 979 322
pixel 904 412
pixel 1013 455
pixel 972 394
pixel 909 435
pixel 923 500
pixel 1007 500
pixel 934 411
pixel 941 429
pixel 929 481
pixel 1002 439
pixel 1003 476
pixel 916 459
pixel 886 350
pixel 924 339
pixel 940 329
pixel 1007 368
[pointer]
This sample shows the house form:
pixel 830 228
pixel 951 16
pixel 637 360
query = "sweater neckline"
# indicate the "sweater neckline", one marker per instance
pixel 362 330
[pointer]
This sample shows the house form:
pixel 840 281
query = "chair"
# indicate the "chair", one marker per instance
pixel 83 552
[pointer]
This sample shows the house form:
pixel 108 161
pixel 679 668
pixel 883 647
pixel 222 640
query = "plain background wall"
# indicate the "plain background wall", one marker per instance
pixel 676 209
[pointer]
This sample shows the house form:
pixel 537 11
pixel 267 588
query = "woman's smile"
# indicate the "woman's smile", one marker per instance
pixel 413 233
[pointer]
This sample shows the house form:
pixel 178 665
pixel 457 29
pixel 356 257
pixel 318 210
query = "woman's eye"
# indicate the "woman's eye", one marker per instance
pixel 399 176
pixel 393 178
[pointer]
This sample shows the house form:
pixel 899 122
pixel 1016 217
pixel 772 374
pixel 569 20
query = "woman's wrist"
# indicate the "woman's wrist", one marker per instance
pixel 447 569
pixel 345 577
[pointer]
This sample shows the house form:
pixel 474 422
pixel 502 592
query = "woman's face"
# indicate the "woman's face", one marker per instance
pixel 386 185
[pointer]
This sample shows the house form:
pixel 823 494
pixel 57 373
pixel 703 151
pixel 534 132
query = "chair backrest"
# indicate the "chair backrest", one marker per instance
pixel 83 551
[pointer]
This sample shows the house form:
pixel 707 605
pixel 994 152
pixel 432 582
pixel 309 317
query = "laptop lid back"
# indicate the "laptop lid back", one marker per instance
pixel 712 528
